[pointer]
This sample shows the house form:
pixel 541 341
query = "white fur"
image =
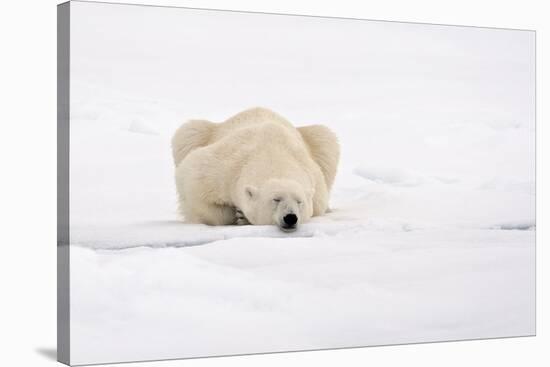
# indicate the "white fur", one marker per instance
pixel 248 162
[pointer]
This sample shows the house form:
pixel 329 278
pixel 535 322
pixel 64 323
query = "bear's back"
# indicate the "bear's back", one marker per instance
pixel 249 120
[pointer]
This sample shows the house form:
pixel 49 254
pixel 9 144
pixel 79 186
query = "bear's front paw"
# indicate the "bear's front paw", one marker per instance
pixel 241 219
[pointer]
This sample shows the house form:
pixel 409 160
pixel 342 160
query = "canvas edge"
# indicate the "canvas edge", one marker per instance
pixel 324 16
pixel 63 200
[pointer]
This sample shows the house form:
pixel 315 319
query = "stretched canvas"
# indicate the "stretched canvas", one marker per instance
pixel 238 183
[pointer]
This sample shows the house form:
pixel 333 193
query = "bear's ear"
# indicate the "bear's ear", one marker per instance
pixel 251 192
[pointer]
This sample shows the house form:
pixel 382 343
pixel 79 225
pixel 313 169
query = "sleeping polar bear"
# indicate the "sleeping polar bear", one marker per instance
pixel 254 168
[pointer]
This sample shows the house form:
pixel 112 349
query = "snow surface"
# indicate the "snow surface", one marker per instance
pixel 431 233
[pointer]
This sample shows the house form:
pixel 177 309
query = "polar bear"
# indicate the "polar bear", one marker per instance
pixel 254 168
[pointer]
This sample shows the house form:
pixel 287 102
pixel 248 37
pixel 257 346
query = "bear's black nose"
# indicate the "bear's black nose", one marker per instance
pixel 290 219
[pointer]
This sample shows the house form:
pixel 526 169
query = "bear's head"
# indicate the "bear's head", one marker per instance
pixel 282 202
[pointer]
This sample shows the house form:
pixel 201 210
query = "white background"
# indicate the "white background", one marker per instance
pixel 28 180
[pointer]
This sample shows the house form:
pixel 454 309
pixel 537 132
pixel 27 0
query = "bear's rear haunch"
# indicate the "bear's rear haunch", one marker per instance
pixel 254 168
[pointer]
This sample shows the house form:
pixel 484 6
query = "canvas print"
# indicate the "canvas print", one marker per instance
pixel 238 183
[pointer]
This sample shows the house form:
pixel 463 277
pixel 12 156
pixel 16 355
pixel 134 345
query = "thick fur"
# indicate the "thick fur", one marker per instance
pixel 190 136
pixel 256 165
pixel 324 149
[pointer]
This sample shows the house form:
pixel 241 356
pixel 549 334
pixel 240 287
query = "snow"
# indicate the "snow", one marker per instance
pixel 140 127
pixel 242 295
pixel 431 234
